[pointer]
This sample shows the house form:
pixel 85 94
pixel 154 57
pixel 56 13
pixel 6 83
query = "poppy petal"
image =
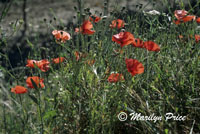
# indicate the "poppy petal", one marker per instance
pixel 58 60
pixel 179 14
pixel 117 23
pixel 94 18
pixel 134 66
pixel 198 20
pixel 61 35
pixel 197 38
pixel 123 38
pixel 188 18
pixel 138 43
pixel 87 25
pixel 115 77
pixel 151 46
pixel 37 80
pixel 19 90
pixel 89 32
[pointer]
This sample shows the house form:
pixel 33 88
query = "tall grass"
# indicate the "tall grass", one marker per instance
pixel 77 97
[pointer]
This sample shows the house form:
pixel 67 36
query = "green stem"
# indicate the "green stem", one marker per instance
pixel 24 118
pixel 40 111
pixel 4 118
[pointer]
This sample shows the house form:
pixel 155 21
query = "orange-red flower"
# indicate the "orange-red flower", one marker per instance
pixel 61 35
pixel 197 38
pixel 115 77
pixel 58 60
pixel 182 16
pixel 37 80
pixel 138 43
pixel 134 66
pixel 198 20
pixel 180 36
pixel 19 90
pixel 94 18
pixel 123 38
pixel 30 63
pixel 86 28
pixel 151 46
pixel 179 14
pixel 188 18
pixel 177 22
pixel 117 23
pixel 43 65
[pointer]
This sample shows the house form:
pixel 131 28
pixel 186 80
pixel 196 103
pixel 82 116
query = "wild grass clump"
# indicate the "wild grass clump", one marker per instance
pixel 87 75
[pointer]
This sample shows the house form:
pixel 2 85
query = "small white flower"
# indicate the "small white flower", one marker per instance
pixel 152 12
pixel 198 27
pixel 104 17
pixel 170 18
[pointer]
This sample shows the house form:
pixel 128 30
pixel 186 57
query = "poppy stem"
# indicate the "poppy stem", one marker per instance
pixel 106 3
pixel 23 121
pixel 80 8
pixel 40 112
pixel 4 115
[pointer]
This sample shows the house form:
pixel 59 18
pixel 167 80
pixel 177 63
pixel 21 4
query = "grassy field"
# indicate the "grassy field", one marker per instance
pixel 117 72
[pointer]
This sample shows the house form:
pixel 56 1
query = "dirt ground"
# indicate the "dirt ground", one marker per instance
pixel 38 10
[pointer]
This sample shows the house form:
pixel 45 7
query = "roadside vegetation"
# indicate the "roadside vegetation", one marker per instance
pixel 104 64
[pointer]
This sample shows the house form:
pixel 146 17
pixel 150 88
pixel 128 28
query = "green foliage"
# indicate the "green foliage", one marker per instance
pixel 77 97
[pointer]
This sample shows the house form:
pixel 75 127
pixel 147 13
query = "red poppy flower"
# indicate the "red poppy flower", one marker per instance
pixel 180 36
pixel 179 14
pixel 115 77
pixel 151 46
pixel 61 35
pixel 198 20
pixel 94 18
pixel 86 28
pixel 188 18
pixel 197 38
pixel 19 90
pixel 117 23
pixel 134 66
pixel 38 81
pixel 30 63
pixel 182 16
pixel 177 22
pixel 123 38
pixel 43 65
pixel 138 43
pixel 58 60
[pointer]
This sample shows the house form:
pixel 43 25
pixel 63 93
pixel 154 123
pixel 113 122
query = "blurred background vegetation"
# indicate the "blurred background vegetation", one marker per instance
pixel 29 18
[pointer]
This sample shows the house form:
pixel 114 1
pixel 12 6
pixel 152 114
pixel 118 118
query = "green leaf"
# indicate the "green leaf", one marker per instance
pixel 166 131
pixel 50 114
pixel 29 43
pixel 34 99
pixel 34 84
